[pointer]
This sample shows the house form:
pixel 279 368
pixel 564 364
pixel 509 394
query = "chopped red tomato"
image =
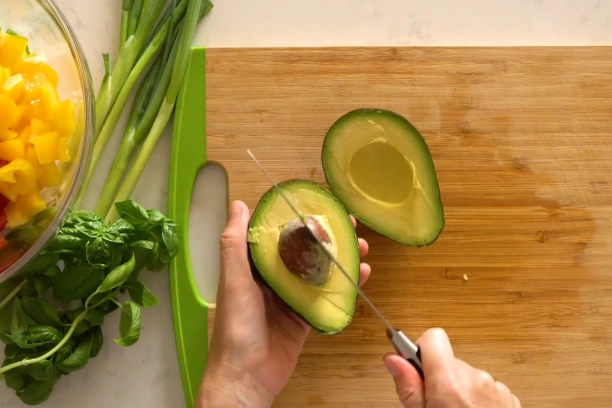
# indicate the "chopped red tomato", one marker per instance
pixel 2 219
pixel 4 201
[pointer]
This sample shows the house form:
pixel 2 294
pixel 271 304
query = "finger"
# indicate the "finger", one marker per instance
pixel 436 351
pixel 364 273
pixel 363 247
pixel 517 403
pixel 234 259
pixel 408 383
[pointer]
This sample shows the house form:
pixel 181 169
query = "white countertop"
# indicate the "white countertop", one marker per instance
pixel 147 374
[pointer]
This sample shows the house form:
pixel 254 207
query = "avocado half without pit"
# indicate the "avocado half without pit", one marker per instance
pixel 379 165
pixel 379 168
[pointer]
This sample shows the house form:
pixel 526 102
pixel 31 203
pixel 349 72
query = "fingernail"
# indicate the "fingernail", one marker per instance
pixel 236 210
pixel 392 368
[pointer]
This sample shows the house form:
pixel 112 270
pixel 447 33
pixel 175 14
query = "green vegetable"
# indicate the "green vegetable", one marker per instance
pixel 194 8
pixel 129 328
pixel 77 282
pixel 36 336
pixel 41 312
pixel 79 358
pixel 141 294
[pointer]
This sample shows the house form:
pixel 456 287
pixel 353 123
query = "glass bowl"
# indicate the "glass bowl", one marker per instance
pixel 50 39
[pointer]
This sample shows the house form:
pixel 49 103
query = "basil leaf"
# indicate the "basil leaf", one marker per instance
pixel 20 320
pixel 133 213
pixel 77 282
pixel 122 227
pixel 63 241
pixel 41 287
pixel 9 286
pixel 41 312
pixel 15 379
pixel 40 371
pixel 140 294
pixel 170 238
pixel 155 217
pixel 95 317
pixel 97 342
pixel 117 276
pixel 81 328
pixel 130 324
pixel 81 216
pixel 39 264
pixel 35 336
pixel 79 358
pixel 37 392
pixel 98 253
pixel 64 352
pixel 142 251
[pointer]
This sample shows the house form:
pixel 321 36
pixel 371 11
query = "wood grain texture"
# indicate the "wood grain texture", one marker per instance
pixel 521 139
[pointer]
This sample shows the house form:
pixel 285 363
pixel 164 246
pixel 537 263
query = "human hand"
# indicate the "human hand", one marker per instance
pixel 449 382
pixel 257 339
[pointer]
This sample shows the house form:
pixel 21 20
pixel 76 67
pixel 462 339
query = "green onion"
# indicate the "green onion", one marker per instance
pixel 146 105
pixel 128 54
pixel 155 45
pixel 194 9
pixel 125 18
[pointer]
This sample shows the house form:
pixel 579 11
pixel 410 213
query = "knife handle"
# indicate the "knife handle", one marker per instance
pixel 407 349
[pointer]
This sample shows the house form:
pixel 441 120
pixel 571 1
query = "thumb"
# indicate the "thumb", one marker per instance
pixel 408 383
pixel 234 252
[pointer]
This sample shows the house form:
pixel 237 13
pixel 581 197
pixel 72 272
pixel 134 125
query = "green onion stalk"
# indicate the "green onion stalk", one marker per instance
pixel 195 9
pixel 148 14
pixel 159 38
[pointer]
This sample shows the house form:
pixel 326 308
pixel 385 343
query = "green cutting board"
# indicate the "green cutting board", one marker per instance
pixel 188 157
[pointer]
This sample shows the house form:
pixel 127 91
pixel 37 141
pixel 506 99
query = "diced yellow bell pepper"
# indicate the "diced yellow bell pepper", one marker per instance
pixel 38 110
pixel 12 49
pixel 12 149
pixel 46 146
pixel 17 177
pixel 62 150
pixel 24 135
pixel 7 135
pixel 24 208
pixel 15 217
pixel 38 127
pixel 22 121
pixel 51 176
pixel 65 121
pixel 9 113
pixel 31 202
pixel 13 86
pixel 50 99
pixel 5 73
pixel 31 157
pixel 50 73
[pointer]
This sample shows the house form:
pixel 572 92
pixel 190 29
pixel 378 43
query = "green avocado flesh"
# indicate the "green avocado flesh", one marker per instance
pixel 327 306
pixel 379 166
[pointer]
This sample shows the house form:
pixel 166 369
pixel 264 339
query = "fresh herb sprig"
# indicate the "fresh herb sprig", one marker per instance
pixel 51 315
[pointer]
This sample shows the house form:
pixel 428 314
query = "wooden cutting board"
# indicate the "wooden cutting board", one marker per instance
pixel 522 143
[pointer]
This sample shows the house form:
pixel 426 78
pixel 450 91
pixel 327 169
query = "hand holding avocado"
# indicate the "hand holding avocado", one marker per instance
pixel 257 338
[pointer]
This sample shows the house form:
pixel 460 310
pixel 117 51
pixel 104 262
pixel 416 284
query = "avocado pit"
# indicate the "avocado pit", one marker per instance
pixel 302 254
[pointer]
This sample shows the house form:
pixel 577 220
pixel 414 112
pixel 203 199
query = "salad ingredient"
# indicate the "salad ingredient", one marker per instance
pixel 35 129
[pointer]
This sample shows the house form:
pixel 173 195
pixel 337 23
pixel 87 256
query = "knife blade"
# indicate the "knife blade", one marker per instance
pixel 402 343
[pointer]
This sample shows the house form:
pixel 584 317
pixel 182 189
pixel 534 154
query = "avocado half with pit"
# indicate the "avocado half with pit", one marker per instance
pixel 292 263
pixel 379 165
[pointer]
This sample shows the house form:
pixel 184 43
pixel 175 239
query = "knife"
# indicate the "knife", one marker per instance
pixel 402 343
